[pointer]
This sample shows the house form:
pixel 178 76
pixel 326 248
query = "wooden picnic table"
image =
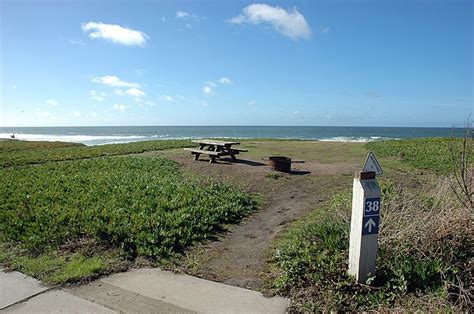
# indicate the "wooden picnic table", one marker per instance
pixel 215 149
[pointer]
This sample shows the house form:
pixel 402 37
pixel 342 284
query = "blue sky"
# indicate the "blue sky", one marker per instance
pixel 358 63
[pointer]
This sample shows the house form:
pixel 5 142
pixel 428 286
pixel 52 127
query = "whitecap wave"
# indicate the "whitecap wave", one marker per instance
pixel 354 139
pixel 119 139
pixel 76 138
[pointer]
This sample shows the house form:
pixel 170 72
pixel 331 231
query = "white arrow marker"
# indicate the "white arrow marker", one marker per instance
pixel 370 224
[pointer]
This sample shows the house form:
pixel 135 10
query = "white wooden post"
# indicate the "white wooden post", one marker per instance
pixel 365 223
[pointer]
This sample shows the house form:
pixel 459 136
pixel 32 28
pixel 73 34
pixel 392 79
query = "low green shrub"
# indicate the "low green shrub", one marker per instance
pixel 141 206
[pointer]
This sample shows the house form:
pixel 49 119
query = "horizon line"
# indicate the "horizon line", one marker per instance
pixel 236 125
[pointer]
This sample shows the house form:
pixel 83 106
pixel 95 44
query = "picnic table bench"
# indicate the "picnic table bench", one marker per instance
pixel 215 149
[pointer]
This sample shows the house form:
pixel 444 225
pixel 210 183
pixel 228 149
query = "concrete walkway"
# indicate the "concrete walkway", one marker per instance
pixel 144 290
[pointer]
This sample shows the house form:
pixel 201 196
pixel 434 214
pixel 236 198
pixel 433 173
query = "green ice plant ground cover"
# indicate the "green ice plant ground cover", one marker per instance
pixel 423 153
pixel 72 220
pixel 22 153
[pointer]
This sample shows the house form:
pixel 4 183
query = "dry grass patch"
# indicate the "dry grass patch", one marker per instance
pixel 425 259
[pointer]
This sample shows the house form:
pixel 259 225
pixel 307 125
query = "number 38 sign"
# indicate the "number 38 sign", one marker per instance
pixel 372 206
pixel 371 216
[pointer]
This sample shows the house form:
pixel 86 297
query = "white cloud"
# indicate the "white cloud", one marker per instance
pixel 114 81
pixel 208 90
pixel 163 19
pixel 182 14
pixel 167 98
pixel 52 102
pixel 188 19
pixel 119 92
pixel 76 114
pixel 97 96
pixel 211 84
pixel 135 92
pixel 252 103
pixel 225 81
pixel 289 23
pixel 119 107
pixel 115 33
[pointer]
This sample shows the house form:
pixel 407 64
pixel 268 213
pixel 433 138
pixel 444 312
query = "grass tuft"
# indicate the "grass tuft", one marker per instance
pixel 273 175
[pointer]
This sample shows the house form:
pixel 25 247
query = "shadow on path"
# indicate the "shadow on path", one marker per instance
pixel 299 172
pixel 248 162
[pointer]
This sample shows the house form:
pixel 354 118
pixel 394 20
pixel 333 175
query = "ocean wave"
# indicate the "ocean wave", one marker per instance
pixel 354 139
pixel 120 139
pixel 77 138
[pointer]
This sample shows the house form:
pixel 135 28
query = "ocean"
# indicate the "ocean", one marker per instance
pixel 124 134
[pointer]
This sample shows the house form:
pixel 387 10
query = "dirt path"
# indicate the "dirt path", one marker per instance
pixel 239 256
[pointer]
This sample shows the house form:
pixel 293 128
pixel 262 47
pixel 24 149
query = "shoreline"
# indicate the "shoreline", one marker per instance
pixel 333 140
pixel 92 136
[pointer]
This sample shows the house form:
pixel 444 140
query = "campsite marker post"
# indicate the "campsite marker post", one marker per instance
pixel 365 221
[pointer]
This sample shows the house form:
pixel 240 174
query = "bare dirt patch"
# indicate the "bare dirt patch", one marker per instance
pixel 238 257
